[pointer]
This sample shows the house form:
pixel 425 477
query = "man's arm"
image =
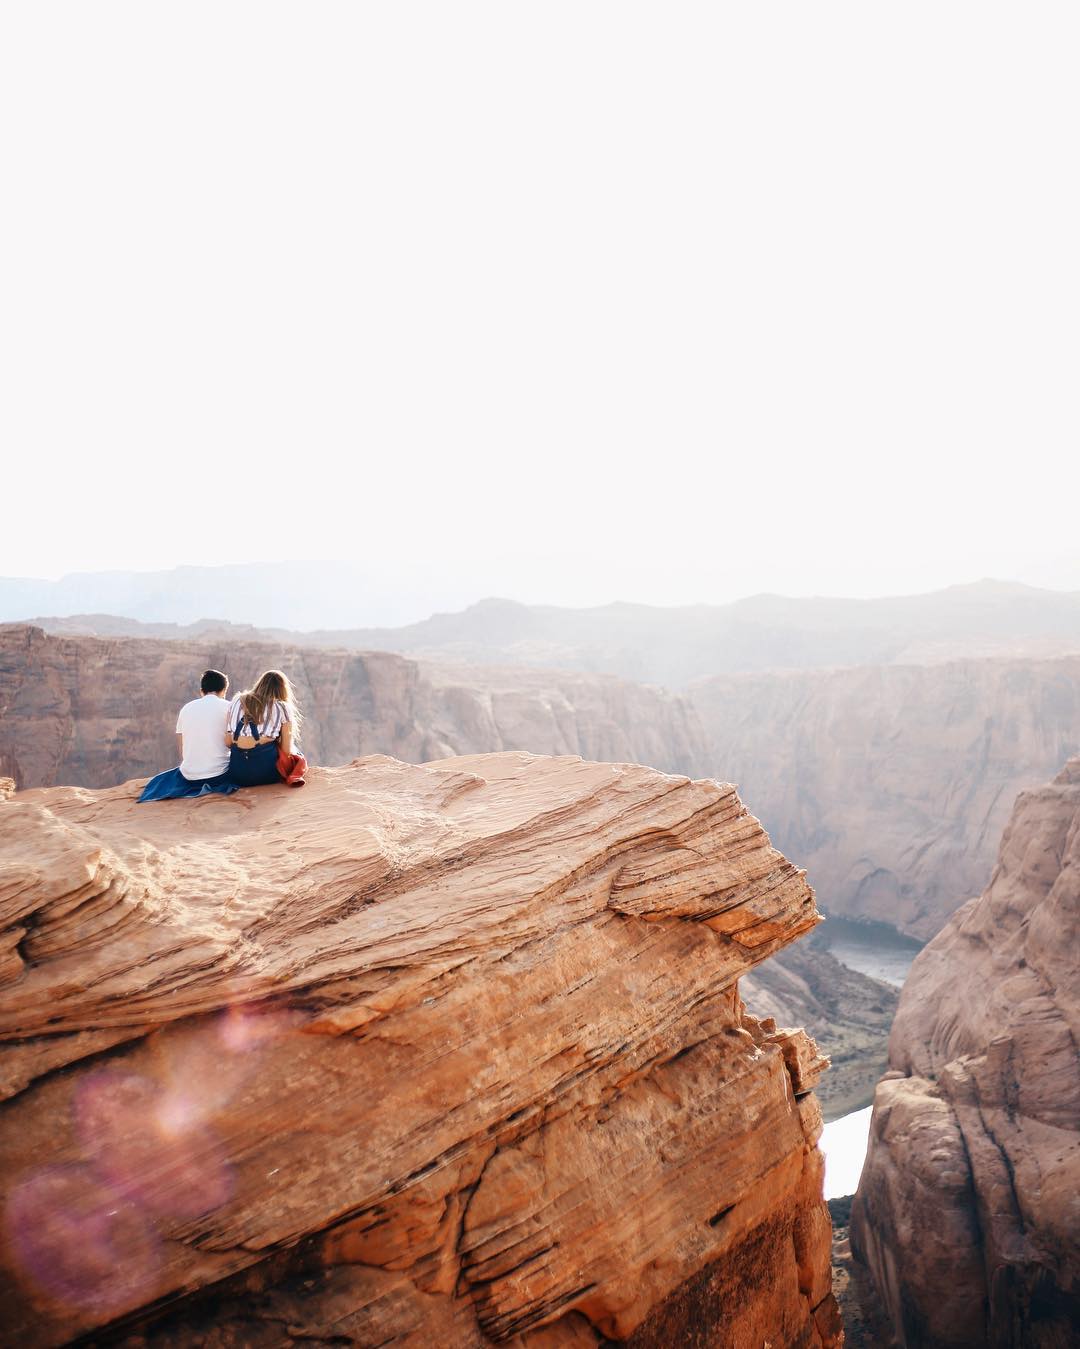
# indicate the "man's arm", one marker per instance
pixel 179 748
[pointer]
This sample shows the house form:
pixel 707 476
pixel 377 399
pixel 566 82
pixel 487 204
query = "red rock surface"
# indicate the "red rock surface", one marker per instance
pixel 90 711
pixel 892 784
pixel 449 1055
pixel 968 1212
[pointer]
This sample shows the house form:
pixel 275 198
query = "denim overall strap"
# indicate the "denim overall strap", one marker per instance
pixel 240 724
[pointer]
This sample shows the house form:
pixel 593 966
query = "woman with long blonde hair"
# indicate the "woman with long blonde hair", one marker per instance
pixel 263 721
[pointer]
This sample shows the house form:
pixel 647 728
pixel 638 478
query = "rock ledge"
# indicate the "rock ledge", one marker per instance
pixel 448 1055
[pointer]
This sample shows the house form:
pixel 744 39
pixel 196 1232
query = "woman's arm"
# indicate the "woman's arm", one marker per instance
pixel 286 737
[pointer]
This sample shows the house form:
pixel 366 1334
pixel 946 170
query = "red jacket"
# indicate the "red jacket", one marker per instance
pixel 291 768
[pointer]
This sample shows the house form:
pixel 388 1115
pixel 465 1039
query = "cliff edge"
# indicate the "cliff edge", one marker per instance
pixel 968 1211
pixel 446 1055
pixel 92 711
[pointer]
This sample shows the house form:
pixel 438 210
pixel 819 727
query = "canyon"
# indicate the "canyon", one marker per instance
pixel 892 783
pixel 448 1054
pixel 848 1014
pixel 977 1121
pixel 94 711
pixel 90 711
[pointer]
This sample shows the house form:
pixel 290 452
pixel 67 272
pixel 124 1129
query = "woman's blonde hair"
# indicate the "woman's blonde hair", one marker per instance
pixel 270 688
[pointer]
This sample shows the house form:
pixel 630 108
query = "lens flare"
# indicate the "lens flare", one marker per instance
pixel 242 1029
pixel 81 1241
pixel 149 1144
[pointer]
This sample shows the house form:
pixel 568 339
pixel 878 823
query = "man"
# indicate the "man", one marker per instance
pixel 200 740
pixel 200 730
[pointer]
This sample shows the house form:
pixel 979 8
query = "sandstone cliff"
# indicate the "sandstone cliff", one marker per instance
pixel 968 1212
pixel 449 1055
pixel 92 711
pixel 892 784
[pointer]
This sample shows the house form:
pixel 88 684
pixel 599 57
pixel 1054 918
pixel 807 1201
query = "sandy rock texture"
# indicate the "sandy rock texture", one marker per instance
pixel 450 1055
pixel 93 711
pixel 892 784
pixel 968 1212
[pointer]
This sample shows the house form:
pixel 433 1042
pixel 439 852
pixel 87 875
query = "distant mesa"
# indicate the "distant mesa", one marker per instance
pixel 322 604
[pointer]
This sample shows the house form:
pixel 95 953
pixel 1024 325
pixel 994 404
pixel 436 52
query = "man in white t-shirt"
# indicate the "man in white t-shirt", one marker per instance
pixel 200 730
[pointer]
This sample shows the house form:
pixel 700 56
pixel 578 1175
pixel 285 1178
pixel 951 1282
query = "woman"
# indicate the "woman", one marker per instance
pixel 263 721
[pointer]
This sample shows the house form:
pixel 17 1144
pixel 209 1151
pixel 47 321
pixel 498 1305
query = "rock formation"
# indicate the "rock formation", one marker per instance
pixel 847 1013
pixel 968 1212
pixel 892 784
pixel 92 711
pixel 450 1055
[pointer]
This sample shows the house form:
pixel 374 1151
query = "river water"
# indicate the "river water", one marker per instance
pixel 883 953
pixel 875 949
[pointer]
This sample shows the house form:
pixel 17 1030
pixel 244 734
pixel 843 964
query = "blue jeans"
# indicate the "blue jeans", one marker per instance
pixel 172 784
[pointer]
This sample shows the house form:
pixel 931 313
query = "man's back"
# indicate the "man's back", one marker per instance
pixel 202 724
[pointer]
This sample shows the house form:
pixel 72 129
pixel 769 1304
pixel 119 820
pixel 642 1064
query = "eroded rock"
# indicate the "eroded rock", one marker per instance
pixel 449 1055
pixel 968 1211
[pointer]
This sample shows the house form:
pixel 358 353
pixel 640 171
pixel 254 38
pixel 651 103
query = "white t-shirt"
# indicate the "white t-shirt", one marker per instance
pixel 271 724
pixel 202 723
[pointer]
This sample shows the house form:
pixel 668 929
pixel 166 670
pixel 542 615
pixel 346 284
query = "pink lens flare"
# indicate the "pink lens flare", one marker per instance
pixel 207 1071
pixel 244 1028
pixel 82 1242
pixel 149 1143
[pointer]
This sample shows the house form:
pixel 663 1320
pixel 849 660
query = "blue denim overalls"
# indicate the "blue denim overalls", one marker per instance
pixel 256 767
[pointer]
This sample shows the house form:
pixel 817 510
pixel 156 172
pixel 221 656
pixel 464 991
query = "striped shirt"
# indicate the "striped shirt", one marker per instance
pixel 269 727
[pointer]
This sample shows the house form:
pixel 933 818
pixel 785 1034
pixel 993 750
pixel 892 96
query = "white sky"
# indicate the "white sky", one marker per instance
pixel 569 302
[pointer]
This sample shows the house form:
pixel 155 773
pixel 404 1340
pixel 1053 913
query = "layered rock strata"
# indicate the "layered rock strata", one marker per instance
pixel 91 711
pixel 892 784
pixel 447 1055
pixel 968 1212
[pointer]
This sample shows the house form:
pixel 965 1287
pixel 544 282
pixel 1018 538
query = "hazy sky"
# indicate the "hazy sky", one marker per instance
pixel 570 302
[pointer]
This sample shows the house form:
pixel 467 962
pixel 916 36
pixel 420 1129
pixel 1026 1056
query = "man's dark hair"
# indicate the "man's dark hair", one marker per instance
pixel 213 681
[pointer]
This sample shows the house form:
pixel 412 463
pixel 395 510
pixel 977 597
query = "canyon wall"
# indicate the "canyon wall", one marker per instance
pixel 446 1055
pixel 91 711
pixel 892 784
pixel 968 1211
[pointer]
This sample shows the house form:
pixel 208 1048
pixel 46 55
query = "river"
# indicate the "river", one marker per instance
pixel 878 950
pixel 875 949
